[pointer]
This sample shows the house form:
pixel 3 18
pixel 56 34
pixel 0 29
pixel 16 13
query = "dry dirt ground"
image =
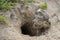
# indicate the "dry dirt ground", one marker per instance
pixel 12 33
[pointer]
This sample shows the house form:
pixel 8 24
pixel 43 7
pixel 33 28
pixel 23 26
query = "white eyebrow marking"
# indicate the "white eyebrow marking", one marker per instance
pixel 39 10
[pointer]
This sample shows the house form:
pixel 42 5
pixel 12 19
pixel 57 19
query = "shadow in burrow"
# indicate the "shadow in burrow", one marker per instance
pixel 26 31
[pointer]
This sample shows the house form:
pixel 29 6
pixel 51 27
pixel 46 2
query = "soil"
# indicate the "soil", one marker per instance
pixel 12 30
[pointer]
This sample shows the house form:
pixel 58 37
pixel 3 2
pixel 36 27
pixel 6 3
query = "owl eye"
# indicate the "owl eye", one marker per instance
pixel 40 13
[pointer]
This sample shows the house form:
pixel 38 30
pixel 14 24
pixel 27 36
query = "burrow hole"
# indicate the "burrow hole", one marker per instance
pixel 25 30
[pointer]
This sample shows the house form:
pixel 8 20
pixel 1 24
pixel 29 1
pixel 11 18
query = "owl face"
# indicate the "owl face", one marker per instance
pixel 39 12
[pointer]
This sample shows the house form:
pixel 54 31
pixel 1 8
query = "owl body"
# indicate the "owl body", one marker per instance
pixel 40 22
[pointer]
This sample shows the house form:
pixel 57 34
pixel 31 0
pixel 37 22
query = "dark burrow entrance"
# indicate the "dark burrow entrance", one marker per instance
pixel 25 30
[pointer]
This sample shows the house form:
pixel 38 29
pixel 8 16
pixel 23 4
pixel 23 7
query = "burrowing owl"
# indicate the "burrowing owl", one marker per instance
pixel 40 22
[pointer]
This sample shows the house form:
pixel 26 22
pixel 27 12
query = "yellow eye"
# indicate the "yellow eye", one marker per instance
pixel 40 14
